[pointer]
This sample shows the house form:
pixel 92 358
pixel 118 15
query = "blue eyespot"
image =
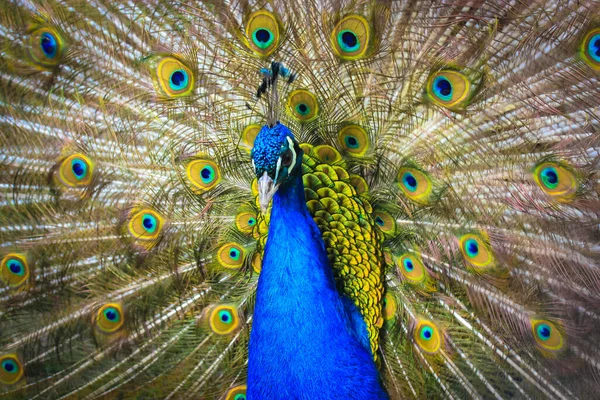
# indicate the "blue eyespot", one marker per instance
pixel 179 79
pixel 234 254
pixel 544 331
pixel 408 264
pixel 426 333
pixel 149 222
pixel 111 314
pixel 207 174
pixel 225 316
pixel 550 177
pixel 302 109
pixel 472 247
pixel 16 267
pixel 348 41
pixel 351 142
pixel 442 88
pixel 379 221
pixel 594 47
pixel 240 397
pixel 10 366
pixel 409 181
pixel 262 38
pixel 262 35
pixel 79 168
pixel 251 222
pixel 49 44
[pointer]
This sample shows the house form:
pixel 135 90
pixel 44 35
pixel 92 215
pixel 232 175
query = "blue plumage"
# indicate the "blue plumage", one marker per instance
pixel 306 341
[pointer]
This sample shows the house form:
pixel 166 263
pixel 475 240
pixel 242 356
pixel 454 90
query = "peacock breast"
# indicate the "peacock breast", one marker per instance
pixel 340 206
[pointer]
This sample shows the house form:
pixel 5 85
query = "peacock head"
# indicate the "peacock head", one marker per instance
pixel 277 159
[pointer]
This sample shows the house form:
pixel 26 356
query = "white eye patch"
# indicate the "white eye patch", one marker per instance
pixel 277 169
pixel 291 144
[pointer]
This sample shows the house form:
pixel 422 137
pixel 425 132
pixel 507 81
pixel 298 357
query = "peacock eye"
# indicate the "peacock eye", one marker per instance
pixel 412 269
pixel 11 370
pixel 303 105
pixel 548 336
pixel 263 31
pixel 476 251
pixel 557 179
pixel 449 89
pixel 172 78
pixel 286 158
pixel 390 307
pixel 351 37
pixel 428 336
pixel 223 319
pixel 203 175
pixel 14 270
pixel 354 139
pixel 109 318
pixel 145 224
pixel 46 47
pixel 75 171
pixel 590 48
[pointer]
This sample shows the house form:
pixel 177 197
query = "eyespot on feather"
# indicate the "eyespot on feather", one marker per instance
pixel 257 262
pixel 449 89
pixel 547 336
pixel 351 37
pixel 231 255
pixel 327 154
pixel 427 336
pixel 557 180
pixel 46 47
pixel 385 222
pixel 249 135
pixel 390 306
pixel 15 269
pixel 302 105
pixel 415 184
pixel 354 139
pixel 76 170
pixel 263 32
pixel 110 318
pixel 204 175
pixel 236 393
pixel 172 78
pixel 245 221
pixel 223 319
pixel 11 369
pixel 590 49
pixel 412 268
pixel 476 250
pixel 145 224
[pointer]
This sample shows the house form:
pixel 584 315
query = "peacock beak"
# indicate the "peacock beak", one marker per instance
pixel 266 190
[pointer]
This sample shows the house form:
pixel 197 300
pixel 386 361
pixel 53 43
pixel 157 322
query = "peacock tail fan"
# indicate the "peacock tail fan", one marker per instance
pixel 450 161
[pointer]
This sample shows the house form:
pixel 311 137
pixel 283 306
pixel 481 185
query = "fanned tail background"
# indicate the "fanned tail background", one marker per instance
pixel 130 237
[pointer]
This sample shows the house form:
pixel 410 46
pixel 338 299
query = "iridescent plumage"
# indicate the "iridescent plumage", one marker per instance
pixel 434 175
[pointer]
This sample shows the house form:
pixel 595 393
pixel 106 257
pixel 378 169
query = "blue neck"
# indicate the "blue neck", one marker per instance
pixel 303 341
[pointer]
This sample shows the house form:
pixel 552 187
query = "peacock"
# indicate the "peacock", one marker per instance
pixel 263 199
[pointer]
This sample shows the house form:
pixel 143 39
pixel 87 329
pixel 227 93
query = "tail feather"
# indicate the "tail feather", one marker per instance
pixel 131 242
